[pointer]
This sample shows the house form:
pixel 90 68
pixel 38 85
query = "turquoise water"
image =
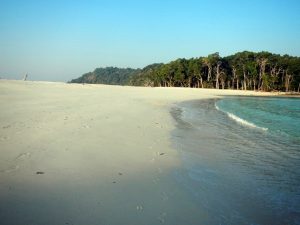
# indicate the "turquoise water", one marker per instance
pixel 277 115
pixel 241 159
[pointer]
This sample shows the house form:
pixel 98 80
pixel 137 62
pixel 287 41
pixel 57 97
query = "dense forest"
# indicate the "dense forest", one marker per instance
pixel 244 71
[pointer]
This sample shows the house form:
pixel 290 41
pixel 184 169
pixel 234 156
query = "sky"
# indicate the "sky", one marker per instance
pixel 59 40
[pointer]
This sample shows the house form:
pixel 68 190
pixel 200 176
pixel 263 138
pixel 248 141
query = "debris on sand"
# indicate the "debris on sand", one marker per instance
pixel 40 172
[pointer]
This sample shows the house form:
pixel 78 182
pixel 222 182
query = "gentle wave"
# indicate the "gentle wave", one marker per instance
pixel 244 122
pixel 240 120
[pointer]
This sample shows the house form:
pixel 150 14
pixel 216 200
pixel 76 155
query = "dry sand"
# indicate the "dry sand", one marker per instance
pixel 91 154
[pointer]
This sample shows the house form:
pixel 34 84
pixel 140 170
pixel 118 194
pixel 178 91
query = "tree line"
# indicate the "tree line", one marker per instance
pixel 246 70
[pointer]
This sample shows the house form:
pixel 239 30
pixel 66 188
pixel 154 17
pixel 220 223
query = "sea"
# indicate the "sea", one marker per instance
pixel 240 159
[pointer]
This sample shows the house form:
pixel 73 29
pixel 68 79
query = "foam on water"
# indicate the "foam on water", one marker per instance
pixel 245 122
pixel 241 121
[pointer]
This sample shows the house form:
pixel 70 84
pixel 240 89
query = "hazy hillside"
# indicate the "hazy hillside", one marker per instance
pixel 108 75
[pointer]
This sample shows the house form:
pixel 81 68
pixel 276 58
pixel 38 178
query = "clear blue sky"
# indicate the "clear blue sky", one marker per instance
pixel 59 40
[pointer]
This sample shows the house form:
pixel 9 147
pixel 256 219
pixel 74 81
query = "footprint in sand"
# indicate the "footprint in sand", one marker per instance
pixel 156 180
pixel 6 127
pixel 4 138
pixel 86 126
pixel 164 196
pixel 162 217
pixel 10 169
pixel 159 170
pixel 23 156
pixel 152 160
pixel 139 208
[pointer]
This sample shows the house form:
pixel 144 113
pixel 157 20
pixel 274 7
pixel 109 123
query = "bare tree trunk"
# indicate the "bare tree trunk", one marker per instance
pixel 223 83
pixel 244 85
pixel 234 76
pixel 275 74
pixel 207 64
pixel 288 79
pixel 237 84
pixel 218 75
pixel 250 83
pixel 245 80
pixel 228 84
pixel 209 72
pixel 190 81
pixel 262 67
pixel 201 80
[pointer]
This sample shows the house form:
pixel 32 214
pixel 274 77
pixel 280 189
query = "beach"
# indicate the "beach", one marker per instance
pixel 93 154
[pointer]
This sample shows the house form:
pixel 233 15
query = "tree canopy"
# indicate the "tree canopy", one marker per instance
pixel 244 70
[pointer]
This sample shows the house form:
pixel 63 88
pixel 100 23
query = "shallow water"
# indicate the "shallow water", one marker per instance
pixel 241 159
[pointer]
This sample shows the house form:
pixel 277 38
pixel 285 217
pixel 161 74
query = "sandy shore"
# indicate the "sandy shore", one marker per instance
pixel 91 154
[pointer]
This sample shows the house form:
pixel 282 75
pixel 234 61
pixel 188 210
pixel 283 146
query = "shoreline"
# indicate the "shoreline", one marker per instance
pixel 244 92
pixel 226 162
pixel 64 144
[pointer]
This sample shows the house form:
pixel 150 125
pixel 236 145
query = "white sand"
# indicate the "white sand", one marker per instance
pixel 99 148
